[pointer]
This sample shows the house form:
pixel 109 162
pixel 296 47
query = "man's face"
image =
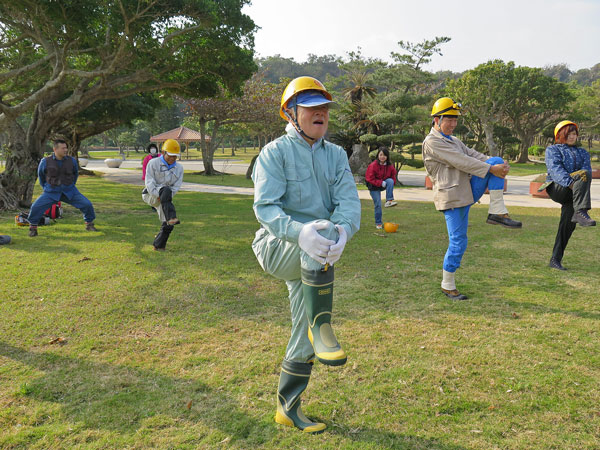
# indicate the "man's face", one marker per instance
pixel 170 159
pixel 314 121
pixel 448 124
pixel 60 150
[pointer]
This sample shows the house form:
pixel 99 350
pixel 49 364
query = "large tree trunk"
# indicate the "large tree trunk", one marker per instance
pixel 22 159
pixel 359 161
pixel 526 142
pixel 251 167
pixel 488 129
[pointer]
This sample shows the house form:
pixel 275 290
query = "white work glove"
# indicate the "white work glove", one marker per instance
pixel 383 183
pixel 315 245
pixel 335 251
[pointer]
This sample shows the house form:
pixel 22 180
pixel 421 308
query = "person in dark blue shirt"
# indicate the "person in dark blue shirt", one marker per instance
pixel 568 183
pixel 58 174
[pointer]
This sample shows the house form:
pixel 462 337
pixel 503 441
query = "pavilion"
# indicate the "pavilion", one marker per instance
pixel 180 134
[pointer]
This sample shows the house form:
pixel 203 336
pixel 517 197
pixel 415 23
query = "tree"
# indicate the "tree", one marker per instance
pixel 60 57
pixel 483 92
pixel 259 102
pixel 560 72
pixel 587 107
pixel 105 115
pixel 536 101
pixel 405 89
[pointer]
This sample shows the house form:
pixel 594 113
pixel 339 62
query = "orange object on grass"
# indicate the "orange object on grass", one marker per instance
pixel 390 227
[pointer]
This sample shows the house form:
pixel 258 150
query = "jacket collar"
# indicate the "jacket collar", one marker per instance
pixel 291 132
pixel 440 135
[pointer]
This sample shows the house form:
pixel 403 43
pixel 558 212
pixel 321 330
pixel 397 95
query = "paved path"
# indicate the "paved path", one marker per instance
pixel 517 193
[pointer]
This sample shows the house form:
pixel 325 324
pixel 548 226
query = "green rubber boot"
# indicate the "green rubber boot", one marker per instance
pixel 317 289
pixel 292 383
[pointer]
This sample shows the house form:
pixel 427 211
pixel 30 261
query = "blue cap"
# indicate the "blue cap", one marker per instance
pixel 309 99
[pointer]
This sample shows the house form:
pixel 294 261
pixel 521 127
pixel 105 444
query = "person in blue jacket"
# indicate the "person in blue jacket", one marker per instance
pixel 568 183
pixel 306 202
pixel 58 174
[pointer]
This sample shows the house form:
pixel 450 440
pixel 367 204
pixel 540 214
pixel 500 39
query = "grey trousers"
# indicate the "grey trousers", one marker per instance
pixel 283 260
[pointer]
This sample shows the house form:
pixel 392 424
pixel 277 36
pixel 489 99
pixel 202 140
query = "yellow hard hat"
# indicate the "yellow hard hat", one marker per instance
pixel 298 85
pixel 564 123
pixel 445 106
pixel 171 147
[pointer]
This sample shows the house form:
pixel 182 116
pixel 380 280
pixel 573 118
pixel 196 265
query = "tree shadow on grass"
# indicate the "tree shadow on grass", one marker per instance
pixel 123 399
pixel 130 400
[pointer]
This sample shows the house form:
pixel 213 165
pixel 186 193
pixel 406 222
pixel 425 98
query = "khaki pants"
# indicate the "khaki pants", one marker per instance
pixel 155 202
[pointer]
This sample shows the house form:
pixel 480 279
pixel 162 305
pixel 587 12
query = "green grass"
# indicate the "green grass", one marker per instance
pixel 193 153
pixel 182 349
pixel 221 180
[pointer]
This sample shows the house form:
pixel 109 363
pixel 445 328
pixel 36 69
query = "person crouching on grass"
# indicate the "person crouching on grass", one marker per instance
pixel 58 174
pixel 164 177
pixel 306 202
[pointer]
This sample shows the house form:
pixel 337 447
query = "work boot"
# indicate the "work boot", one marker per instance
pixel 89 226
pixel 555 264
pixel 504 220
pixel 33 231
pixel 454 294
pixel 292 383
pixel 160 240
pixel 583 219
pixel 317 289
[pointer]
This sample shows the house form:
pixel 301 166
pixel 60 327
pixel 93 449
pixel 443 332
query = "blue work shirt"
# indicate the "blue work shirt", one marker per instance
pixel 55 192
pixel 295 183
pixel 563 159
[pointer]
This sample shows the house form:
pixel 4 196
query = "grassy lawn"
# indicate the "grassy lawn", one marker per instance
pixel 182 349
pixel 194 153
pixel 221 180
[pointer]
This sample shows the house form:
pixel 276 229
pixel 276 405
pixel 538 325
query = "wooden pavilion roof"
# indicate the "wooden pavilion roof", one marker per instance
pixel 181 134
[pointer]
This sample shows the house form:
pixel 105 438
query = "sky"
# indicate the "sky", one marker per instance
pixel 531 33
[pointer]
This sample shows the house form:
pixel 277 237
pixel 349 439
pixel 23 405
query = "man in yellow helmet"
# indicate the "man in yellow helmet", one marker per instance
pixel 163 180
pixel 307 204
pixel 460 176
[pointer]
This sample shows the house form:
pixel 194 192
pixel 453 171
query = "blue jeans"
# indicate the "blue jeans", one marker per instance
pixel 376 196
pixel 457 219
pixel 45 201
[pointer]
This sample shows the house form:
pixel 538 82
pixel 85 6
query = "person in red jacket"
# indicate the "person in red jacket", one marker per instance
pixel 152 153
pixel 381 176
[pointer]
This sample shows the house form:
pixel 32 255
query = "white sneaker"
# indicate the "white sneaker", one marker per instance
pixel 378 226
pixel 390 203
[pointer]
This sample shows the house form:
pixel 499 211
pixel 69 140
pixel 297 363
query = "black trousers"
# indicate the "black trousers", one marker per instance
pixel 571 200
pixel 166 202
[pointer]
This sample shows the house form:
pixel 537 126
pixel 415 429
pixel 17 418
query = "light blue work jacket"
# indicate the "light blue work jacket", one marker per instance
pixel 295 184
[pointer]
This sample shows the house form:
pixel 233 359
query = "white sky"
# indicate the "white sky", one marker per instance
pixel 531 33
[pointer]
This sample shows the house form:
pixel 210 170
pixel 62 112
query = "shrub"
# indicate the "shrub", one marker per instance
pixel 536 150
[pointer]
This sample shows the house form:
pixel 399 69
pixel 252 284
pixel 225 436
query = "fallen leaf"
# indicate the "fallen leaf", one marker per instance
pixel 189 405
pixel 58 340
pixel 85 258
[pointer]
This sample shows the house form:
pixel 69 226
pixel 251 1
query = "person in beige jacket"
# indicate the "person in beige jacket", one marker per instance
pixel 460 176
